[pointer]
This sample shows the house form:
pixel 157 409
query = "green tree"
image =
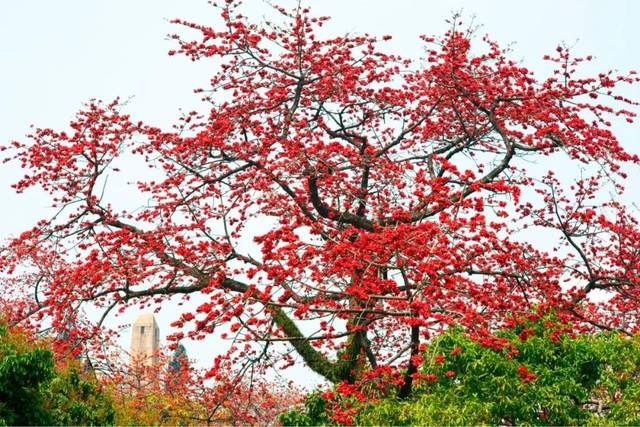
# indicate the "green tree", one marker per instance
pixel 534 374
pixel 34 392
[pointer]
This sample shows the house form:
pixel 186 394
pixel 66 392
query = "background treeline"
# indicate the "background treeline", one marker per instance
pixel 39 386
pixel 536 373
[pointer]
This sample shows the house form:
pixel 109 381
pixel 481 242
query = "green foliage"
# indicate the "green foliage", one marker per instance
pixel 541 377
pixel 21 375
pixel 537 375
pixel 73 400
pixel 32 392
pixel 314 413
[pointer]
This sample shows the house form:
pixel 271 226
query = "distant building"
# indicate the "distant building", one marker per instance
pixel 177 368
pixel 145 339
pixel 179 359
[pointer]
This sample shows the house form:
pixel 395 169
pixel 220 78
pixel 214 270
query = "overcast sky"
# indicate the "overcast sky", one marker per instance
pixel 57 54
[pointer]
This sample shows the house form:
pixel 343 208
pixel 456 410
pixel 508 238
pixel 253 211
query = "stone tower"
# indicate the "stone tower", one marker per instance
pixel 145 339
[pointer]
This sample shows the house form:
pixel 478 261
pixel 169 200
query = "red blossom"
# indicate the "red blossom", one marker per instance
pixel 525 374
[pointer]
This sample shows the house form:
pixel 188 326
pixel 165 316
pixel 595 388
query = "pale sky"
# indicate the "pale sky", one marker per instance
pixel 57 54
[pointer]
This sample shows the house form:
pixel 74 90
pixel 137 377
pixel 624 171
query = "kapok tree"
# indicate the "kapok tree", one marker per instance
pixel 336 205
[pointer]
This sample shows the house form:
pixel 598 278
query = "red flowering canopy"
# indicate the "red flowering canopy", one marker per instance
pixel 339 205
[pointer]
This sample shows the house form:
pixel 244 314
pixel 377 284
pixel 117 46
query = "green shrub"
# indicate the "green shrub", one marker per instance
pixel 33 392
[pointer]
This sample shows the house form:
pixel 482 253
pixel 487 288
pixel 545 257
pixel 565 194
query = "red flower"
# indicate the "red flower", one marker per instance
pixel 525 374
